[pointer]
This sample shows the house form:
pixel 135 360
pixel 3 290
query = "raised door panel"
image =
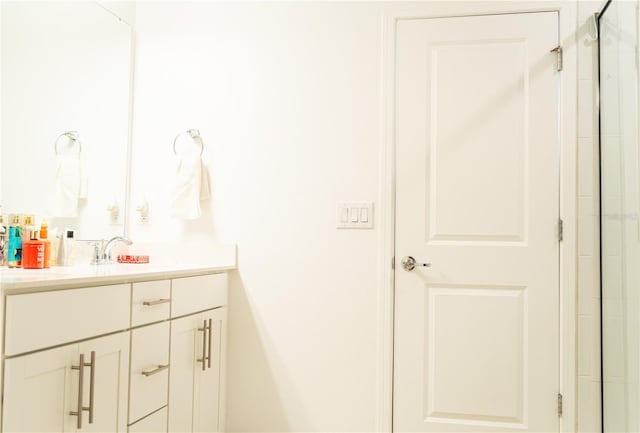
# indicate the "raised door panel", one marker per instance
pixel 186 349
pixel 40 390
pixel 110 386
pixel 208 385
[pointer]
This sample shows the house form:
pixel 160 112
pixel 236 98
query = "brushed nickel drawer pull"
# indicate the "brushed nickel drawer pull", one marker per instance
pixel 155 302
pixel 204 345
pixel 156 370
pixel 209 350
pixel 80 368
pixel 92 379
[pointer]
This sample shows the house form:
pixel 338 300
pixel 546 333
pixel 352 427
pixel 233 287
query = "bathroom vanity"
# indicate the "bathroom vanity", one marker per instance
pixel 114 348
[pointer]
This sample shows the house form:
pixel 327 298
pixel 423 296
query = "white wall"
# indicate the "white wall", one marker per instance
pixel 287 99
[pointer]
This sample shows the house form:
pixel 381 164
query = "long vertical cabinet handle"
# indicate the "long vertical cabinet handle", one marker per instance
pixel 209 350
pixel 92 381
pixel 204 345
pixel 80 368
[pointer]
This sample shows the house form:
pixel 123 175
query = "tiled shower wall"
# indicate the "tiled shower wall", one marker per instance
pixel 588 404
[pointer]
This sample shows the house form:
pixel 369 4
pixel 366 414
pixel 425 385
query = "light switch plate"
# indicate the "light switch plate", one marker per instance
pixel 354 215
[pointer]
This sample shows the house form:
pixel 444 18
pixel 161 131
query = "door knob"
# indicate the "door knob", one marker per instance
pixel 408 263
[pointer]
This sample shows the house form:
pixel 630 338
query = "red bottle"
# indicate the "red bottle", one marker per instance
pixel 33 252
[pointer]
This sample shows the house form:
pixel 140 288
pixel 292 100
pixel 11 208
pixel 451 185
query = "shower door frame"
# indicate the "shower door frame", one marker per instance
pixel 597 16
pixel 567 12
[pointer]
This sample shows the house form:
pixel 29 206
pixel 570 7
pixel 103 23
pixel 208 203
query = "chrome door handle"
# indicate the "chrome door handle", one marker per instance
pixel 409 263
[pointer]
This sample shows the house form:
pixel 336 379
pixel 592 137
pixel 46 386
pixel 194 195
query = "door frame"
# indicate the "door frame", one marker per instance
pixel 567 12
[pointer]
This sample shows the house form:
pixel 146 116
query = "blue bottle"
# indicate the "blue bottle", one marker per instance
pixel 14 242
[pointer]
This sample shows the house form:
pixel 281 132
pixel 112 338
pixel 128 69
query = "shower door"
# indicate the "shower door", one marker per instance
pixel 620 222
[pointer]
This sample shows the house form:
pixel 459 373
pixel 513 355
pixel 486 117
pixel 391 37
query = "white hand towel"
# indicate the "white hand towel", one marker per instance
pixel 69 185
pixel 191 186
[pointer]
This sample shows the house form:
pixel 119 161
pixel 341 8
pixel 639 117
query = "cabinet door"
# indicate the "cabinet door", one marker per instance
pixel 194 382
pixel 208 384
pixel 110 384
pixel 39 391
pixel 186 349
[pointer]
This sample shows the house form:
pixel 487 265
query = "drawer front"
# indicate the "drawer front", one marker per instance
pixel 150 302
pixel 155 423
pixel 192 294
pixel 149 370
pixel 39 320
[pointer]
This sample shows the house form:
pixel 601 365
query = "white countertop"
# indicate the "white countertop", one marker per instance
pixel 16 281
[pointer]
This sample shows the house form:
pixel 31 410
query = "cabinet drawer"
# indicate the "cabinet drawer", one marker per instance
pixel 150 302
pixel 192 294
pixel 155 423
pixel 149 384
pixel 38 320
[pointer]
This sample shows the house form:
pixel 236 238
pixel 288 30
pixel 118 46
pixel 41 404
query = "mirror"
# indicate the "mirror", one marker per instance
pixel 65 95
pixel 620 215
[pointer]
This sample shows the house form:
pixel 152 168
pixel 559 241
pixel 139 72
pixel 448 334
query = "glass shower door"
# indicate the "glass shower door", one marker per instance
pixel 620 221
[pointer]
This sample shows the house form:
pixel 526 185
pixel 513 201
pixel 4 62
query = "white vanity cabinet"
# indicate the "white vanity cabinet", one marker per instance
pixel 153 355
pixel 42 389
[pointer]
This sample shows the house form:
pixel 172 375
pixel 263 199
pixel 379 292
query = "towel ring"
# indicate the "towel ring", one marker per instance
pixel 195 136
pixel 71 136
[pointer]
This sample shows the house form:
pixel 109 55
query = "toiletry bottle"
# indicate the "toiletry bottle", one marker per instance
pixel 66 248
pixel 3 237
pixel 28 225
pixel 4 233
pixel 14 242
pixel 33 252
pixel 55 242
pixel 44 235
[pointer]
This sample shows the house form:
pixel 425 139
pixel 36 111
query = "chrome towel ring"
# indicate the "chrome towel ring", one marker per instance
pixel 195 136
pixel 72 136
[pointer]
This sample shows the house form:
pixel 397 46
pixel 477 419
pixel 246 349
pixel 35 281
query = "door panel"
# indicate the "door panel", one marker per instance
pixel 460 158
pixel 186 348
pixel 208 385
pixel 494 346
pixel 477 193
pixel 40 390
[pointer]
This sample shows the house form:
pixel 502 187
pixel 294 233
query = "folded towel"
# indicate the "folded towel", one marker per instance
pixel 191 186
pixel 69 185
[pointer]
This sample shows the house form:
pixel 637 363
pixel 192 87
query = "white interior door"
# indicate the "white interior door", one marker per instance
pixel 477 197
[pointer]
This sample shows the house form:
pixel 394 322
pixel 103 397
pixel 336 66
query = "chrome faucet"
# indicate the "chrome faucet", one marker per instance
pixel 106 251
pixel 102 249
